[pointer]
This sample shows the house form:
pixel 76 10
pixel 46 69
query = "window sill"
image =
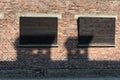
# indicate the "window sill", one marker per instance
pixel 39 45
pixel 94 45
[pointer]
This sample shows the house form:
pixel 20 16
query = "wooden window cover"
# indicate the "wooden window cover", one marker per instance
pixel 38 30
pixel 96 31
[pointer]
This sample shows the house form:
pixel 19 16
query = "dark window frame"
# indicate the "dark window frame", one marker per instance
pixel 90 37
pixel 39 45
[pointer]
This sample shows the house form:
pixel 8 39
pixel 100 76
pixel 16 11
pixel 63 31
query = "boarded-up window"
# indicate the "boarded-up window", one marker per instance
pixel 38 31
pixel 96 31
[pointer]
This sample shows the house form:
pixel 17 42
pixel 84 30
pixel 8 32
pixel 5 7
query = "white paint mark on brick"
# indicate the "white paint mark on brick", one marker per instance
pixel 1 15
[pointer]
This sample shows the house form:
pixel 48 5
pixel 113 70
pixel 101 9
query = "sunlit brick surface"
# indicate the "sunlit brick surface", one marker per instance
pixel 66 55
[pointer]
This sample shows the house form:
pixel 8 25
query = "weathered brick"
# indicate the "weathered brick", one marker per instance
pixel 67 28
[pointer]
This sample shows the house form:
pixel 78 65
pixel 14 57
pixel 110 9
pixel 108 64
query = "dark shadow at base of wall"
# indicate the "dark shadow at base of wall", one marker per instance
pixel 36 62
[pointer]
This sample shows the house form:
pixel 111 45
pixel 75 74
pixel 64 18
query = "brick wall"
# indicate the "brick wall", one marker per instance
pixel 66 55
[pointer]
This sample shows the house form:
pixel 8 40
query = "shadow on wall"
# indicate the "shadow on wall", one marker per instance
pixel 28 58
pixel 38 59
pixel 78 57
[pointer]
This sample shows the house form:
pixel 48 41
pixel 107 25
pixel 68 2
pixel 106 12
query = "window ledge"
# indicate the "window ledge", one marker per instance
pixel 39 45
pixel 93 45
pixel 95 15
pixel 59 16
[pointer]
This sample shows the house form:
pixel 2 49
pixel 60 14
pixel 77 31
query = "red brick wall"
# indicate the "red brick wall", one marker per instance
pixel 11 55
